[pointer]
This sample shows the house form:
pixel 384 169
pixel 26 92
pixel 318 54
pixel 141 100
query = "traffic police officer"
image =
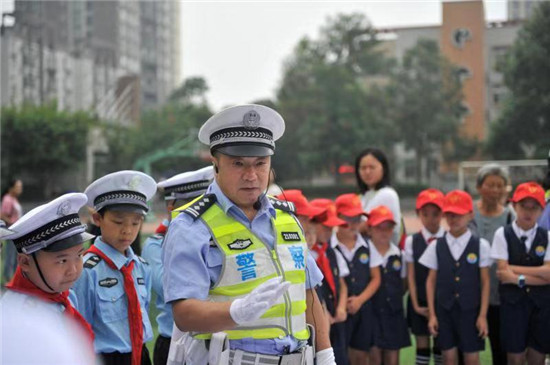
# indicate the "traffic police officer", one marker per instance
pixel 177 190
pixel 236 260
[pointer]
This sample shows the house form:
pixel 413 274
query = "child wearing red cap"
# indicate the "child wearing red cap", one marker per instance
pixel 390 326
pixel 363 280
pixel 523 259
pixel 457 287
pixel 429 209
pixel 333 292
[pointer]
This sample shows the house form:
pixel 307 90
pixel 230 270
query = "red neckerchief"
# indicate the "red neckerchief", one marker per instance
pixel 134 309
pixel 161 229
pixel 324 265
pixel 21 284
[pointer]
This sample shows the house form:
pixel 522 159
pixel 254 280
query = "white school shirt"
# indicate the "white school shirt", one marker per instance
pixel 394 250
pixel 375 258
pixel 457 245
pixel 409 257
pixel 499 249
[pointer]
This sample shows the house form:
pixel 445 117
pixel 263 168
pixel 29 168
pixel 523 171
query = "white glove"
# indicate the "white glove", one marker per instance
pixel 258 301
pixel 325 357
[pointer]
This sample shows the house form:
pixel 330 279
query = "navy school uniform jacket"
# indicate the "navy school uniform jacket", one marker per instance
pixel 420 271
pixel 458 281
pixel 511 293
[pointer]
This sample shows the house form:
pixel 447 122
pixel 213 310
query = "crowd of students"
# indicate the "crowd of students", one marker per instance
pixel 355 241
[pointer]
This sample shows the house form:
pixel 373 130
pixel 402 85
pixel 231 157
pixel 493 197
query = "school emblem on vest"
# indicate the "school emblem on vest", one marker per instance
pixel 291 236
pixel 397 265
pixel 364 258
pixel 240 244
pixel 471 258
pixel 108 282
pixel 540 251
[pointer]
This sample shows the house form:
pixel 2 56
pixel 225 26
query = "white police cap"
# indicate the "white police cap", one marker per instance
pixel 188 184
pixel 244 130
pixel 54 226
pixel 122 190
pixel 3 230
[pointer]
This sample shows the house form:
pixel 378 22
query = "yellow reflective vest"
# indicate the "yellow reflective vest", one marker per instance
pixel 248 262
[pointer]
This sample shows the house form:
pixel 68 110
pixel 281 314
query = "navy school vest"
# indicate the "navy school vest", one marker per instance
pixel 511 293
pixel 330 300
pixel 359 271
pixel 389 297
pixel 420 271
pixel 458 281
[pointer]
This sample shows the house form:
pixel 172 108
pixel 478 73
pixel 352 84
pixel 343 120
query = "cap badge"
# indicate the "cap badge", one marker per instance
pixel 251 120
pixel 63 209
pixel 134 183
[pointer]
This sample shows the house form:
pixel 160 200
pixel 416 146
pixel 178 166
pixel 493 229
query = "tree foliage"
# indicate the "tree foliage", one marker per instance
pixel 331 111
pixel 426 102
pixel 42 142
pixel 523 128
pixel 160 129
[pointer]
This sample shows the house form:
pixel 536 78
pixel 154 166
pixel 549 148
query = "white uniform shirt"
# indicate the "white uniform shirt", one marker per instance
pixel 394 250
pixel 409 257
pixel 375 258
pixel 457 245
pixel 499 249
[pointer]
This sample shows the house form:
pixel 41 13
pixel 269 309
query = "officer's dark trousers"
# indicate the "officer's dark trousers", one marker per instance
pixel 160 354
pixel 116 358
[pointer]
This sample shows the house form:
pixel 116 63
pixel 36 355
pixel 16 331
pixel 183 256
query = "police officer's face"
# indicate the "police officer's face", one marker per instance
pixel 60 269
pixel 528 212
pixel 119 228
pixel 242 179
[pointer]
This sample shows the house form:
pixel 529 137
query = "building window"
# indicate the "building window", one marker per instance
pixel 461 36
pixel 462 73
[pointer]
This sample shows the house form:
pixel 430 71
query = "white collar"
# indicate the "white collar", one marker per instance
pixel 520 232
pixel 462 240
pixel 427 234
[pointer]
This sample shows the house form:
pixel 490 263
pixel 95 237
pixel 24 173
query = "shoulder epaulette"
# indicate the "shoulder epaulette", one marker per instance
pixel 200 206
pixel 92 262
pixel 143 260
pixel 156 236
pixel 283 205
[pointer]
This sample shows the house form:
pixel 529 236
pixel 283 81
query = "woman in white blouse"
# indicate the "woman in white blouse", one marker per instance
pixel 372 173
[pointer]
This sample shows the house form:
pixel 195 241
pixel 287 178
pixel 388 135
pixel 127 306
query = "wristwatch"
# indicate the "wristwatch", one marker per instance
pixel 521 281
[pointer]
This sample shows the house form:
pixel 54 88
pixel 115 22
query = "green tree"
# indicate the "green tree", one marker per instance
pixel 159 131
pixel 523 128
pixel 331 111
pixel 42 142
pixel 426 102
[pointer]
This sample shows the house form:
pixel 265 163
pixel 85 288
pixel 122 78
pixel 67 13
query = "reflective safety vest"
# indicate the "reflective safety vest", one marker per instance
pixel 248 262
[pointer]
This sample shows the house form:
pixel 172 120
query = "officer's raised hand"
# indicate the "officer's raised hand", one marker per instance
pixel 258 301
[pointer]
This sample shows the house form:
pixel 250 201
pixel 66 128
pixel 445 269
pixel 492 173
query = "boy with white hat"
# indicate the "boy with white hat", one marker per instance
pixel 177 190
pixel 113 292
pixel 49 241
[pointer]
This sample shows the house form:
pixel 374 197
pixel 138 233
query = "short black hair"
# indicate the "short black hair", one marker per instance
pixel 381 157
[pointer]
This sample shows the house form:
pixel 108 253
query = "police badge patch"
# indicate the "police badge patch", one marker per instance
pixel 240 244
pixel 108 282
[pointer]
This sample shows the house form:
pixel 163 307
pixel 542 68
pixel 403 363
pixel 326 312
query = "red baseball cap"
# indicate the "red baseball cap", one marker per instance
pixel 430 196
pixel 529 190
pixel 379 215
pixel 331 219
pixel 300 203
pixel 349 205
pixel 458 202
